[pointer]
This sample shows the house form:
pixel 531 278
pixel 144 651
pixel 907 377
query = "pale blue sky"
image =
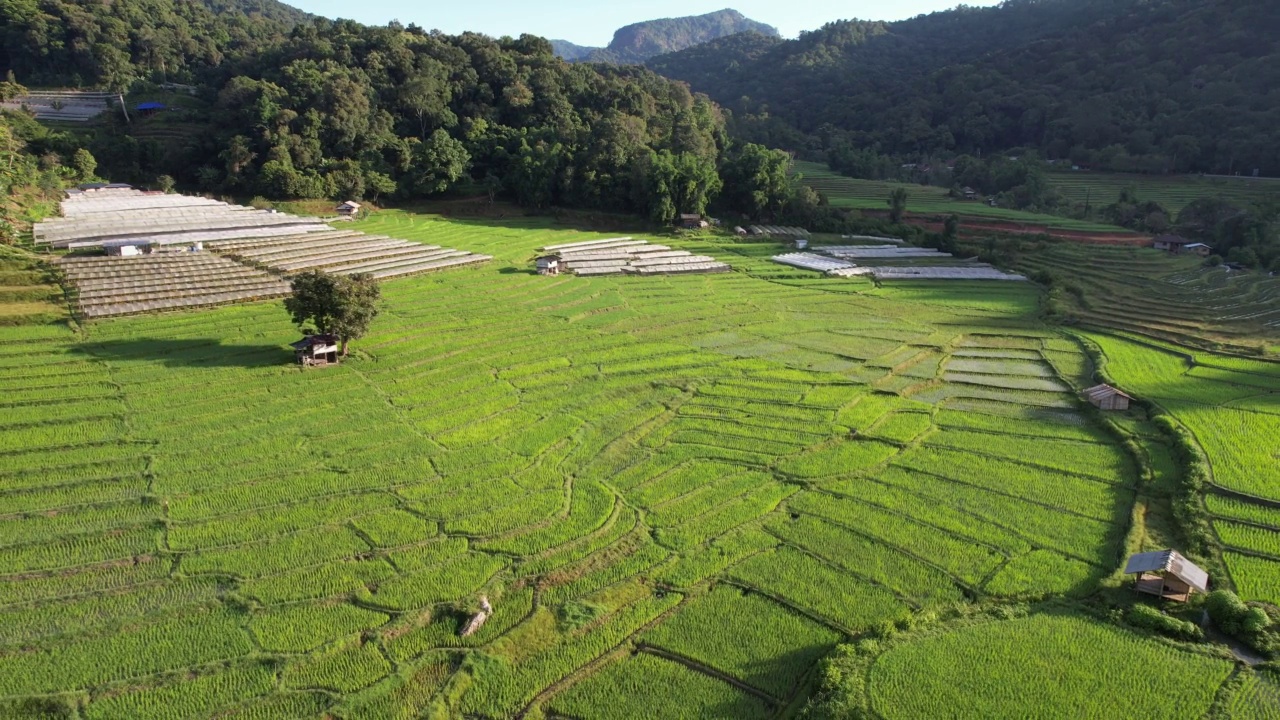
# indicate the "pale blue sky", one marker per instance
pixel 587 22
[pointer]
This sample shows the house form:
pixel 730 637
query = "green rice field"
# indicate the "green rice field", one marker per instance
pixel 1077 187
pixel 1169 298
pixel 1173 192
pixel 679 494
pixel 848 192
pixel 1232 408
pixel 1002 670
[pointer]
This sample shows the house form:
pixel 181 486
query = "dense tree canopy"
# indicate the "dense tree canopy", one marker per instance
pixel 1128 85
pixel 326 109
pixel 337 109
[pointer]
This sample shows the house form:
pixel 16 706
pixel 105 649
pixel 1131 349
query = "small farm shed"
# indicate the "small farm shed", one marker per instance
pixel 1106 397
pixel 316 350
pixel 1199 249
pixel 1166 574
pixel 1171 243
pixel 969 193
pixel 127 248
pixel 348 208
pixel 549 265
pixel 692 222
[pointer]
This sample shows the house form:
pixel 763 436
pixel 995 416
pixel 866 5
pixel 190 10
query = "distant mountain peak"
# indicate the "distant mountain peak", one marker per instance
pixel 640 41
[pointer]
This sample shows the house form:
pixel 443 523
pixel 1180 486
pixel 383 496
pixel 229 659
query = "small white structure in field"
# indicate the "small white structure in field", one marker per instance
pixel 126 248
pixel 348 208
pixel 549 265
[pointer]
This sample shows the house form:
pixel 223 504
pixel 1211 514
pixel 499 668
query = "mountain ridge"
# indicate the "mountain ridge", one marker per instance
pixel 638 42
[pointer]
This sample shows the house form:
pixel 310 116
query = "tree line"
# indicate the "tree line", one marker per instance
pixel 336 109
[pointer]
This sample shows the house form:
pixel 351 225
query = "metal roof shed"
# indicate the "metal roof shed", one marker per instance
pixel 1166 574
pixel 1106 397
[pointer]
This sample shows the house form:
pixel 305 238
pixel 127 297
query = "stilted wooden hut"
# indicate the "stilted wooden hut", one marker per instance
pixel 549 265
pixel 1166 574
pixel 316 350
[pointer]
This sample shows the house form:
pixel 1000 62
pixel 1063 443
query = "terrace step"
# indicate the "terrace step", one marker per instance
pixel 468 259
pixel 296 250
pixel 382 263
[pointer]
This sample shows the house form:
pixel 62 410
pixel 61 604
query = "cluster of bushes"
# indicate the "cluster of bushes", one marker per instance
pixel 1150 618
pixel 1249 624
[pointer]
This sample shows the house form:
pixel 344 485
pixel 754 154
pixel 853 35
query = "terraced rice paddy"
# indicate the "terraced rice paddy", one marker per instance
pixel 1232 407
pixel 1078 188
pixel 27 293
pixel 677 492
pixel 996 671
pixel 1172 192
pixel 926 200
pixel 1153 293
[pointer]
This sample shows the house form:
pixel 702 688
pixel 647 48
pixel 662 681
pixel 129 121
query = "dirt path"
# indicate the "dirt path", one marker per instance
pixel 1241 653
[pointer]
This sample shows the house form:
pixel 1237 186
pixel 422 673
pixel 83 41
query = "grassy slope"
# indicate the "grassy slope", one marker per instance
pixel 619 443
pixel 998 670
pixel 927 200
pixel 1098 189
pixel 1171 298
pixel 1173 192
pixel 27 293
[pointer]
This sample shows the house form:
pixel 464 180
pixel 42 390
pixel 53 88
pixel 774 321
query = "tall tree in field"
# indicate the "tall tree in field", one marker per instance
pixel 358 297
pixel 897 204
pixel 334 304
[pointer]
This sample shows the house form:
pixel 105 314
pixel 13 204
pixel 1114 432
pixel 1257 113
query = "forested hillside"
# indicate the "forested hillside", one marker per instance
pixel 331 109
pixel 640 41
pixel 114 44
pixel 1130 85
pixel 273 9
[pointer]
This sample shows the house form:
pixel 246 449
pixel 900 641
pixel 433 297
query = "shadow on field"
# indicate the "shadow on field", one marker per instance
pixel 195 352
